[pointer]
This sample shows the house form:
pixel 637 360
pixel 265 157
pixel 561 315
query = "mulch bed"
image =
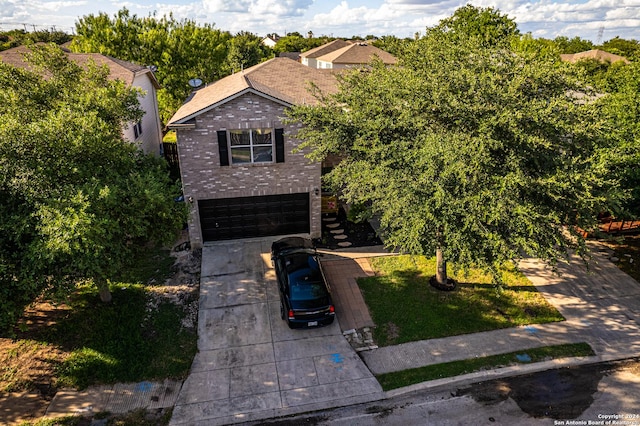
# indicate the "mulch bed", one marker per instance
pixel 358 234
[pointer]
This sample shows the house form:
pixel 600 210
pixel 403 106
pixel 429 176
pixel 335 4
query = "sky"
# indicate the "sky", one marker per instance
pixel 595 20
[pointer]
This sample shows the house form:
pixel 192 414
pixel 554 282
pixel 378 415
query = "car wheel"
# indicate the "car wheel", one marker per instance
pixel 282 314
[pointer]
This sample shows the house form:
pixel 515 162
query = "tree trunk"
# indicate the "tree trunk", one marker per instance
pixel 103 290
pixel 441 268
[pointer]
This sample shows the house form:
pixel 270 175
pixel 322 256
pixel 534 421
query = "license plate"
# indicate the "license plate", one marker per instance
pixel 312 323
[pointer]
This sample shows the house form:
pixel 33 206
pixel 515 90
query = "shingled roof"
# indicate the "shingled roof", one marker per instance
pixel 597 54
pixel 281 79
pixel 118 69
pixel 357 53
pixel 325 48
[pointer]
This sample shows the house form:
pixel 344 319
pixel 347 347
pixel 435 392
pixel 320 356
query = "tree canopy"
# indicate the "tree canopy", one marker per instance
pixel 621 107
pixel 14 38
pixel 75 198
pixel 246 50
pixel 179 50
pixel 487 25
pixel 466 147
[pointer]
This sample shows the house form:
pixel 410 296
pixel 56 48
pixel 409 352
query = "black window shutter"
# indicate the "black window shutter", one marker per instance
pixel 279 145
pixel 222 148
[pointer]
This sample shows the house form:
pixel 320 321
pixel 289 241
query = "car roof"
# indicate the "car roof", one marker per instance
pixel 292 243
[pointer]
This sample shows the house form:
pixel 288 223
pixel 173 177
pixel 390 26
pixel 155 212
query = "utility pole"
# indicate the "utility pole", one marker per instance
pixel 600 32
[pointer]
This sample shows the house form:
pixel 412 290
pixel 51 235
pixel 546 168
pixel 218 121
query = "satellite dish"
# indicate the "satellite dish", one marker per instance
pixel 153 68
pixel 195 82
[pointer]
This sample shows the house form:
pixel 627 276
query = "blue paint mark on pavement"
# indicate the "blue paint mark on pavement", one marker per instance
pixel 531 330
pixel 523 358
pixel 143 387
pixel 337 358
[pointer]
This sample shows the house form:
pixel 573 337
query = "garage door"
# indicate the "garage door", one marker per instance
pixel 248 217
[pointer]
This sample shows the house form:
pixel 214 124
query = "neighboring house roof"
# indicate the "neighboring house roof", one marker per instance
pixel 599 55
pixel 357 53
pixel 291 55
pixel 118 69
pixel 325 48
pixel 280 79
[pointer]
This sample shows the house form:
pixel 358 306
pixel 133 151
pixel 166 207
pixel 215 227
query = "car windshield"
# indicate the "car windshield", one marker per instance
pixel 308 291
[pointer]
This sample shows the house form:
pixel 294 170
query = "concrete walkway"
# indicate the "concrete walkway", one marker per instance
pixel 601 307
pixel 250 365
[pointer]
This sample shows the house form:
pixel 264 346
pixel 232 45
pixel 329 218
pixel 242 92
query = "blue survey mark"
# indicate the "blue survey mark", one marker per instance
pixel 531 330
pixel 337 358
pixel 143 387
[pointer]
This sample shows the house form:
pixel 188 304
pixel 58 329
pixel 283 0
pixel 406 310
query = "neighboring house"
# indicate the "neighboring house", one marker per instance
pixel 147 133
pixel 353 55
pixel 599 55
pixel 270 40
pixel 241 174
pixel 309 57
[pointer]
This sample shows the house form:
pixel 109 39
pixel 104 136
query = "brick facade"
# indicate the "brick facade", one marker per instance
pixel 204 178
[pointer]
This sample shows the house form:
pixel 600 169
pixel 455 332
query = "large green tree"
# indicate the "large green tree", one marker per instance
pixel 246 50
pixel 179 50
pixel 487 25
pixel 14 38
pixel 620 46
pixel 620 105
pixel 572 45
pixel 75 198
pixel 469 150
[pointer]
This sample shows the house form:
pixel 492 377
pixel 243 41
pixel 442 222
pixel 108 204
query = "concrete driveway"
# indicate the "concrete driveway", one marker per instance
pixel 250 365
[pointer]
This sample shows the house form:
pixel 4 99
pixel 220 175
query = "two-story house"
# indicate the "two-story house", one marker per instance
pixel 241 174
pixel 147 133
pixel 340 54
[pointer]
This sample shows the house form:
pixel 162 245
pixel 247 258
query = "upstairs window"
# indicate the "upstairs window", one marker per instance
pixel 251 146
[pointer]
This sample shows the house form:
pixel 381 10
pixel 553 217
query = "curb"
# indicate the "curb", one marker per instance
pixel 511 371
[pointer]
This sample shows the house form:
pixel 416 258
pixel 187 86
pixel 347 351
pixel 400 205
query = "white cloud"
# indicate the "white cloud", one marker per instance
pixel 280 7
pixel 259 7
pixel 347 21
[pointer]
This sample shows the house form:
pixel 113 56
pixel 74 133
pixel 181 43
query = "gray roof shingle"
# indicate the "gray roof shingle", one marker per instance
pixel 357 53
pixel 118 69
pixel 283 79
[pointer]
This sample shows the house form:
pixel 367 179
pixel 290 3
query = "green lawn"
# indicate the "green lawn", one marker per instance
pixel 138 336
pixel 438 371
pixel 406 308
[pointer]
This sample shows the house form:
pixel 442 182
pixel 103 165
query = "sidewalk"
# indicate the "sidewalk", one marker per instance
pixel 601 307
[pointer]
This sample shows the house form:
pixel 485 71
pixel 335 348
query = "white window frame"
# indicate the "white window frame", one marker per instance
pixel 253 147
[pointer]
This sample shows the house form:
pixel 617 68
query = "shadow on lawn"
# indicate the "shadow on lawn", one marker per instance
pixel 129 339
pixel 405 307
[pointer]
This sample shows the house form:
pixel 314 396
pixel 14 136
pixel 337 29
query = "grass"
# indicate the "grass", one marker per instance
pixel 406 308
pixel 138 336
pixel 170 137
pixel 123 341
pixel 438 371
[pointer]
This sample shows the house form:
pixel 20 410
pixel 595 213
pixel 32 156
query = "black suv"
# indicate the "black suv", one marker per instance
pixel 305 297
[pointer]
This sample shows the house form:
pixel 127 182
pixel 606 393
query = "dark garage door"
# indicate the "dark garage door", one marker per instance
pixel 248 217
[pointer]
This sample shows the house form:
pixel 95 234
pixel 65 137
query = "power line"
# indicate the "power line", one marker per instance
pixel 31 27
